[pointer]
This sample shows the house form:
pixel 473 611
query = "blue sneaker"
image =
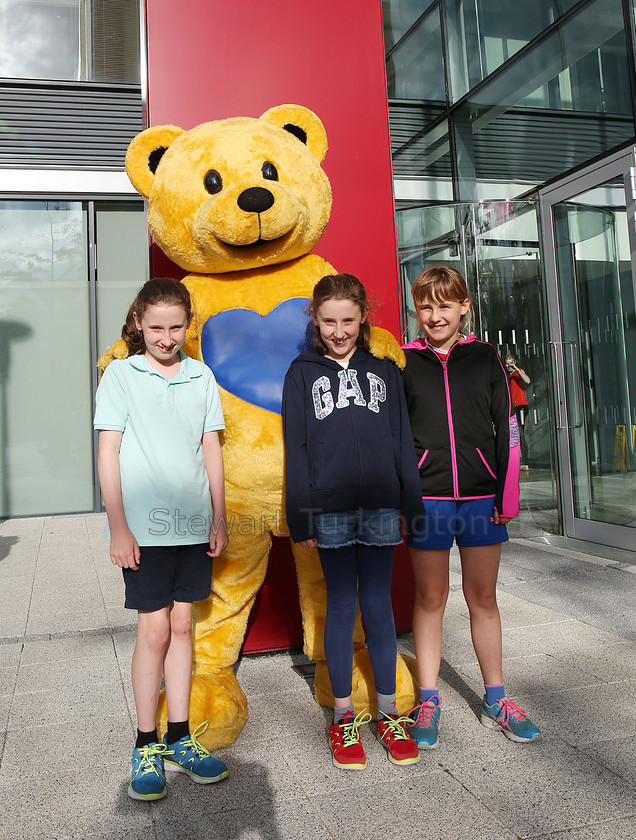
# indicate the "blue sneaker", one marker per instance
pixel 513 721
pixel 424 726
pixel 148 781
pixel 190 757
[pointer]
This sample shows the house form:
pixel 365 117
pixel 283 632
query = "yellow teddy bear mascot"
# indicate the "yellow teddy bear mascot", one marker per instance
pixel 240 203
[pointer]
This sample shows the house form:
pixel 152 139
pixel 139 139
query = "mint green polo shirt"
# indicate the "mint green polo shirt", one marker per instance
pixel 164 483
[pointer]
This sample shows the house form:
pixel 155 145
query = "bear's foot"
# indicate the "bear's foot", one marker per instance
pixel 363 687
pixel 217 698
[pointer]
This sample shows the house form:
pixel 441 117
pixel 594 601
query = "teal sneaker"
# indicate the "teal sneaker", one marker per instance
pixel 147 779
pixel 513 721
pixel 190 757
pixel 424 723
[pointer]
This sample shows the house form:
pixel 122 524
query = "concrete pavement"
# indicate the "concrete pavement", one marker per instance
pixel 67 714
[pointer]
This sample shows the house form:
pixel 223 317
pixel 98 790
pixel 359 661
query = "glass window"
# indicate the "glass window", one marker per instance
pixel 482 35
pixel 562 103
pixel 47 331
pixel 398 16
pixel 415 67
pixel 122 252
pixel 425 156
pixel 74 40
pixel 45 372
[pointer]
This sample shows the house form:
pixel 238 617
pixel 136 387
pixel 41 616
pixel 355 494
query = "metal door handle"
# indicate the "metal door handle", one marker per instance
pixel 554 345
pixel 576 415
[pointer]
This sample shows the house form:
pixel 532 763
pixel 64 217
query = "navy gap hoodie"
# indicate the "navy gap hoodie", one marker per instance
pixel 348 441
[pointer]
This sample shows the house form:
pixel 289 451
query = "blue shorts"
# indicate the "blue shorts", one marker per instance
pixel 364 525
pixel 471 523
pixel 168 573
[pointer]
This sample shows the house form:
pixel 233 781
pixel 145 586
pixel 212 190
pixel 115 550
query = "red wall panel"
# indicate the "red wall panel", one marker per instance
pixel 211 60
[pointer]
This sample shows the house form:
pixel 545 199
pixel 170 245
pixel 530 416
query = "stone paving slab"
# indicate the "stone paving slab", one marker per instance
pixel 67 715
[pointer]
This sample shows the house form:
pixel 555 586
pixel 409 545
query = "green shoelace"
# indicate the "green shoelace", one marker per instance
pixel 350 730
pixel 148 753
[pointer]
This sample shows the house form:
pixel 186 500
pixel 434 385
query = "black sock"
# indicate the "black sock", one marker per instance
pixel 176 731
pixel 145 738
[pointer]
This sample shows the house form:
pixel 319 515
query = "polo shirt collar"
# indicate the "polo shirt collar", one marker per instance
pixel 187 372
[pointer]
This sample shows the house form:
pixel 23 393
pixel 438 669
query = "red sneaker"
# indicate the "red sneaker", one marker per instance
pixel 401 748
pixel 344 739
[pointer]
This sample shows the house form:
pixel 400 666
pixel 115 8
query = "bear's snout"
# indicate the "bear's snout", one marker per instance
pixel 255 200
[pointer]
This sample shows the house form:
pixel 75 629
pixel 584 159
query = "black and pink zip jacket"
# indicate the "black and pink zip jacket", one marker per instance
pixel 464 426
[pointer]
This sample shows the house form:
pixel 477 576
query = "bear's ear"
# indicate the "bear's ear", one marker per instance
pixel 303 124
pixel 145 152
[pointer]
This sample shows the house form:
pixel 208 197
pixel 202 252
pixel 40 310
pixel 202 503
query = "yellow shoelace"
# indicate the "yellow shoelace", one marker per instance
pixel 192 742
pixel 350 729
pixel 395 726
pixel 150 751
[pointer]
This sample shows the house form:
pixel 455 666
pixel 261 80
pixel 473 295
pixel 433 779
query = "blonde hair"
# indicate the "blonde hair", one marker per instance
pixel 442 282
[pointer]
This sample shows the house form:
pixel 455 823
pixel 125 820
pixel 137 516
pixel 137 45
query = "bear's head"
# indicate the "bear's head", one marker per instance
pixel 237 193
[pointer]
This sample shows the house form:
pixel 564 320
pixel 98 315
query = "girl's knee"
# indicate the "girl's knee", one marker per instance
pixel 342 615
pixel 181 627
pixel 154 635
pixel 431 600
pixel 481 600
pixel 181 619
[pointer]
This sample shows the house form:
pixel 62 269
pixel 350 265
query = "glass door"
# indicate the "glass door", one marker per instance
pixel 588 229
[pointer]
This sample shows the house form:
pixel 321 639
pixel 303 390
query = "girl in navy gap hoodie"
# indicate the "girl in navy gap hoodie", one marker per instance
pixel 349 468
pixel 467 446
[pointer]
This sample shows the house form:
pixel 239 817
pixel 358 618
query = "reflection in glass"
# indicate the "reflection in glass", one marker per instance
pixel 398 17
pixel 45 376
pixel 122 247
pixel 495 245
pixel 561 103
pixel 425 156
pixel 74 40
pixel 415 67
pixel 44 39
pixel 485 34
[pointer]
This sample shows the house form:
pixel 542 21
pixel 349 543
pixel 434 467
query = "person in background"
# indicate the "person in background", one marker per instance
pixel 519 381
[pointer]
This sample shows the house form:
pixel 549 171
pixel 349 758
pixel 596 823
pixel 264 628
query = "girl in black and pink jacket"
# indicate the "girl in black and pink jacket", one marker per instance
pixel 467 445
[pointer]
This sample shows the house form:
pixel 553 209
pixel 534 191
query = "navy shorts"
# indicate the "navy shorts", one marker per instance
pixel 366 526
pixel 168 573
pixel 470 523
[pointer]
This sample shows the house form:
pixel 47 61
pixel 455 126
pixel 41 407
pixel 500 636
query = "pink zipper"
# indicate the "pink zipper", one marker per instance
pixel 451 430
pixel 423 458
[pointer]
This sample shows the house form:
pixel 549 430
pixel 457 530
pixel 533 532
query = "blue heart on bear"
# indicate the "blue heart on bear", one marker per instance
pixel 249 353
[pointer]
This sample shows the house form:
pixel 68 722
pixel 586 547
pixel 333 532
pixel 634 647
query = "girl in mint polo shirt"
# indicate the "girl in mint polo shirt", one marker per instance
pixel 161 473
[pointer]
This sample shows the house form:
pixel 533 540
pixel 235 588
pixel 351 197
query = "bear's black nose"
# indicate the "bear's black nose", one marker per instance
pixel 255 200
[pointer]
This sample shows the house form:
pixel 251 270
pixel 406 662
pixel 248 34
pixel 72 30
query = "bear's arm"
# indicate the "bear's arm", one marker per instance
pixel 118 350
pixel 383 345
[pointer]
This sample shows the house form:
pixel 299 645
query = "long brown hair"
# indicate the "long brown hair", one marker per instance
pixel 160 291
pixel 340 287
pixel 443 282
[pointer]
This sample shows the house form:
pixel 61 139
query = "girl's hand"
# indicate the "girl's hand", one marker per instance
pixel 308 543
pixel 218 537
pixel 501 520
pixel 124 549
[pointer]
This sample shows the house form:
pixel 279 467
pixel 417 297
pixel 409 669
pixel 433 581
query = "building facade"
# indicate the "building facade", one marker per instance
pixel 512 138
pixel 512 133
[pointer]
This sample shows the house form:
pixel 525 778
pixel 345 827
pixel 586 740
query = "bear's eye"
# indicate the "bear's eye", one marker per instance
pixel 270 173
pixel 212 182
